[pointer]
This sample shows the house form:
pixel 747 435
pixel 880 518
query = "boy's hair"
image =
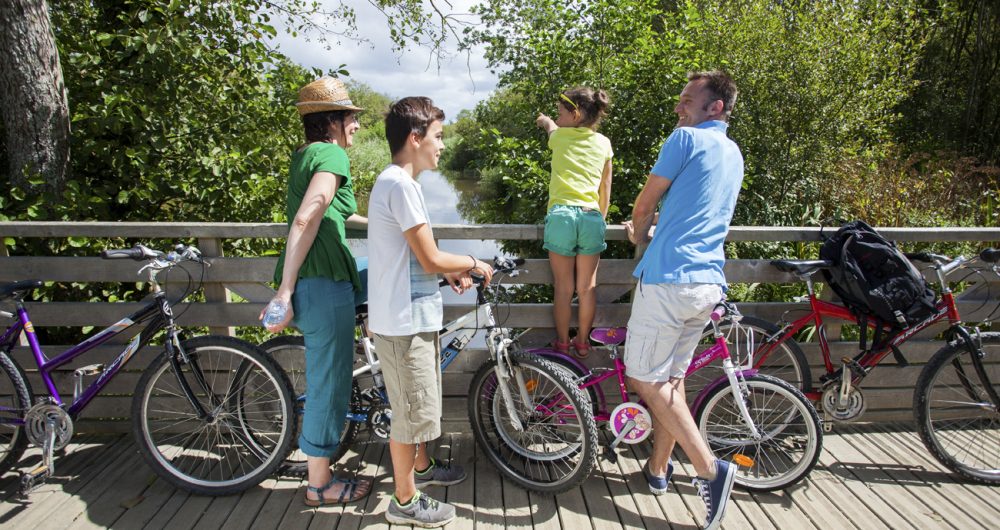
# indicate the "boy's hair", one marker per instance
pixel 409 115
pixel 317 124
pixel 720 86
pixel 592 104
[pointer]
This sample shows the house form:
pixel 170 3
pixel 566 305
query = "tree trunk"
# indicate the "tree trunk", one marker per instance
pixel 32 96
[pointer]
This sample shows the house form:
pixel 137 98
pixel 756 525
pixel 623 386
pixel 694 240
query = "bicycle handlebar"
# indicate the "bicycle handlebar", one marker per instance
pixel 499 265
pixel 144 253
pixel 137 253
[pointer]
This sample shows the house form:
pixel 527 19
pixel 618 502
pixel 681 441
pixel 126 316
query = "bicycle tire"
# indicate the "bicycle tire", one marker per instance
pixel 252 418
pixel 549 456
pixel 957 422
pixel 792 434
pixel 786 361
pixel 576 374
pixel 285 349
pixel 15 399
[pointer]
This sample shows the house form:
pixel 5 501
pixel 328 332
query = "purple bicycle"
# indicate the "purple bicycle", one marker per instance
pixel 211 414
pixel 763 424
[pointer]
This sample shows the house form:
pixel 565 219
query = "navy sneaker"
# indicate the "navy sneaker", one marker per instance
pixel 716 492
pixel 658 485
pixel 439 474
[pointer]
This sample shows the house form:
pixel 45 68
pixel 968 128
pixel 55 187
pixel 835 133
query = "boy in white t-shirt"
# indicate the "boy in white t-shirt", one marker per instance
pixel 405 309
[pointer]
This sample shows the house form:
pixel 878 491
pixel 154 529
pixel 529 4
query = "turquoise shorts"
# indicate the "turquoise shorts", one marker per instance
pixel 572 230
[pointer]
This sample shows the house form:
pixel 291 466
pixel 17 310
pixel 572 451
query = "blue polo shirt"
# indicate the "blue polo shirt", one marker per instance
pixel 705 169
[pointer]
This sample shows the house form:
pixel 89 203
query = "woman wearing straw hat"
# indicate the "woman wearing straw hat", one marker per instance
pixel 318 279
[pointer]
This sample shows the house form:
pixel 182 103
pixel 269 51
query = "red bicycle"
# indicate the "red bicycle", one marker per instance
pixel 956 400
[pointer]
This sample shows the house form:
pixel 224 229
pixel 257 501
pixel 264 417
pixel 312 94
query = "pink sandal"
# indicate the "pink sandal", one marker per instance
pixel 561 347
pixel 582 350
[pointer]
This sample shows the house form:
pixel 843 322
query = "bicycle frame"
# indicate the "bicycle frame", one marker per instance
pixel 156 313
pixel 718 351
pixel 818 309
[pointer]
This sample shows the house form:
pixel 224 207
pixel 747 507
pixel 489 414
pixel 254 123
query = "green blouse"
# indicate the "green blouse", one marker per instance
pixel 329 256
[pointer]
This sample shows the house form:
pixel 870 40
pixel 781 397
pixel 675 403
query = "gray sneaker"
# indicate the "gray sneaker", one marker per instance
pixel 422 511
pixel 440 474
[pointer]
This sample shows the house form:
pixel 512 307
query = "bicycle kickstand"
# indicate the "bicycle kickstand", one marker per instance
pixel 610 453
pixel 36 477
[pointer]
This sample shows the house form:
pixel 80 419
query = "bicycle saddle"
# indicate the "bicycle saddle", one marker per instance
pixel 24 286
pixel 801 266
pixel 608 335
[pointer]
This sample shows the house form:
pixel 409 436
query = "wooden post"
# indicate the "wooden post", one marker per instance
pixel 215 292
pixel 23 339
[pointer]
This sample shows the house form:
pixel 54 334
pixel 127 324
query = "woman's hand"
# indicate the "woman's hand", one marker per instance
pixel 289 314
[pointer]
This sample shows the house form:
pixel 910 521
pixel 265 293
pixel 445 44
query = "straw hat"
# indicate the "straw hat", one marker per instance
pixel 322 95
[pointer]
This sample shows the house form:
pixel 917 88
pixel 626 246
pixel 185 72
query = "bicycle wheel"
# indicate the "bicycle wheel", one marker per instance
pixel 576 374
pixel 249 423
pixel 956 418
pixel 289 351
pixel 790 435
pixel 785 361
pixel 15 399
pixel 557 447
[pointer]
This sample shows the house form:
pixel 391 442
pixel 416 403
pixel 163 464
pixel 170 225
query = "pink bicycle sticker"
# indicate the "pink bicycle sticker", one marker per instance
pixel 635 412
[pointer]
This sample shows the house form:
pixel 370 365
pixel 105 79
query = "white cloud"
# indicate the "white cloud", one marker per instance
pixel 459 82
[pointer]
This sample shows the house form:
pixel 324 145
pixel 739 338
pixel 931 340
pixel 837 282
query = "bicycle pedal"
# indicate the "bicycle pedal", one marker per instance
pixel 32 480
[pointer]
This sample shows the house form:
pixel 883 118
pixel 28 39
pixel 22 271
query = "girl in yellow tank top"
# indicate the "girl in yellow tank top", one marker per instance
pixel 579 194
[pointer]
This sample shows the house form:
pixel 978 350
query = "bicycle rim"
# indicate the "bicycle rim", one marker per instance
pixel 789 428
pixel 250 422
pixel 555 450
pixel 958 422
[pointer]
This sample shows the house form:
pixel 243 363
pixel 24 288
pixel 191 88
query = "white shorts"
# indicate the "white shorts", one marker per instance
pixel 666 324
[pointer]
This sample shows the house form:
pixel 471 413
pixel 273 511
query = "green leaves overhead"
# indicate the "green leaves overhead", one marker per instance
pixel 819 86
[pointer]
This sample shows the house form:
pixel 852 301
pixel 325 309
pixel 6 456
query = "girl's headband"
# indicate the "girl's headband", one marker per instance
pixel 565 98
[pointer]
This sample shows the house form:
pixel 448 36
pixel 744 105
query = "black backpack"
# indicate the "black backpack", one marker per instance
pixel 876 282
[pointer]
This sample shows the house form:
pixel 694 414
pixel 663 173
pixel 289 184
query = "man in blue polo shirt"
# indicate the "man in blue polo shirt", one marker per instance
pixel 695 182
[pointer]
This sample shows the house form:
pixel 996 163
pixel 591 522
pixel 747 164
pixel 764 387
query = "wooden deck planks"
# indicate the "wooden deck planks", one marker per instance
pixel 868 477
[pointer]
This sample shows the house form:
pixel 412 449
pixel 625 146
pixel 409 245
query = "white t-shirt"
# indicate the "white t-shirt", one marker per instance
pixel 402 298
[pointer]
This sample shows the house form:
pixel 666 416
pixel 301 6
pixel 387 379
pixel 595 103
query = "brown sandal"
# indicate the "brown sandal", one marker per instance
pixel 349 493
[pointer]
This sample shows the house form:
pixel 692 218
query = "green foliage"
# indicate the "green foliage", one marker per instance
pixel 819 84
pixel 954 108
pixel 180 112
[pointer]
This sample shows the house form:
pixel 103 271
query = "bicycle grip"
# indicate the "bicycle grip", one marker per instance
pixel 918 256
pixel 990 255
pixel 136 253
pixel 718 313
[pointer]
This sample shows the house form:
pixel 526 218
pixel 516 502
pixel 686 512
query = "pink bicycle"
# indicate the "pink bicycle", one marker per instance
pixel 763 424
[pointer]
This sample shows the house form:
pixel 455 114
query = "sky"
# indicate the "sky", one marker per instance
pixel 453 87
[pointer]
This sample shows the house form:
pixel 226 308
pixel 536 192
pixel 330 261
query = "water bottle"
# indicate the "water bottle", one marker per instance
pixel 275 313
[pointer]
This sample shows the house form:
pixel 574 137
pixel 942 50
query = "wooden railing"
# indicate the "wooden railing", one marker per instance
pixel 888 390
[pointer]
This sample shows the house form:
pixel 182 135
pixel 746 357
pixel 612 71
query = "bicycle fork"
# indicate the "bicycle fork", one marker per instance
pixel 504 370
pixel 737 384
